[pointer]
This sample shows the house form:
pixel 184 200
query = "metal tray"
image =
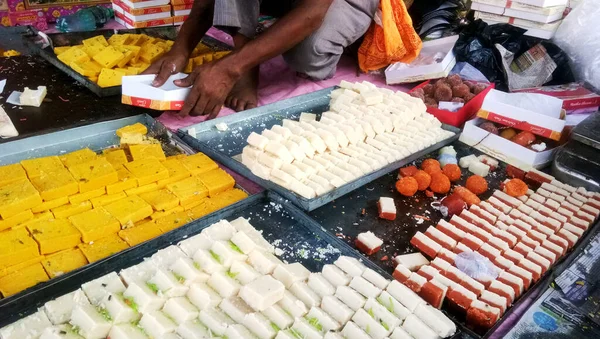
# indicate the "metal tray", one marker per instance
pixel 577 164
pixel 225 146
pixel 299 238
pixel 70 39
pixel 97 137
pixel 587 132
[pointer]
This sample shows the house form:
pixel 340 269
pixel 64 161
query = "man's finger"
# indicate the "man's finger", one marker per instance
pixel 190 103
pixel 187 81
pixel 215 112
pixel 200 108
pixel 154 68
pixel 167 68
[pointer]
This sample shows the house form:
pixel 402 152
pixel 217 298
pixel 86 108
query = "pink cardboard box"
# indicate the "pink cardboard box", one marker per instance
pixel 53 9
pixel 35 18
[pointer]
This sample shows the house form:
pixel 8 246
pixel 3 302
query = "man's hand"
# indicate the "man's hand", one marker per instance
pixel 211 83
pixel 169 64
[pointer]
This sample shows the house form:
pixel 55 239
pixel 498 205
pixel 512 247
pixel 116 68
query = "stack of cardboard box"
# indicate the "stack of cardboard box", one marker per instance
pixel 181 10
pixel 141 14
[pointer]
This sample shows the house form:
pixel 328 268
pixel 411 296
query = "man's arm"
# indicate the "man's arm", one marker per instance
pixel 213 82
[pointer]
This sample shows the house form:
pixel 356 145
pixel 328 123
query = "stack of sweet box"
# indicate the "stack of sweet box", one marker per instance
pixel 181 10
pixel 151 13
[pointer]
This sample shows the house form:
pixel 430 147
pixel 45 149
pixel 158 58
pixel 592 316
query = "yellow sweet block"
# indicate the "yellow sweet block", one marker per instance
pixel 129 210
pixel 161 200
pixel 94 174
pixel 208 57
pixel 147 171
pixel 189 67
pixel 103 248
pixel 128 56
pixel 54 235
pixel 38 166
pixel 17 247
pixel 16 220
pixel 81 197
pixel 38 217
pixel 188 190
pixel 61 49
pixel 118 39
pixel 66 211
pixel 176 157
pixel 83 70
pixel 73 54
pixel 97 40
pixel 116 158
pixel 93 79
pixel 176 172
pixel 135 50
pixel 127 71
pixel 134 70
pixel 141 233
pixel 63 262
pixel 93 50
pixel 144 152
pixel 95 224
pixel 126 181
pixel 200 210
pixel 11 173
pixel 225 199
pixel 107 199
pixel 48 205
pixel 194 203
pixel 217 181
pixel 110 77
pixel 22 279
pixel 18 197
pixel 198 61
pixel 173 221
pixel 135 39
pixel 138 128
pixel 109 57
pixel 199 163
pixel 220 55
pixel 142 189
pixel 55 185
pixel 137 139
pixel 157 215
pixel 150 53
pixel 78 157
pixel 4 271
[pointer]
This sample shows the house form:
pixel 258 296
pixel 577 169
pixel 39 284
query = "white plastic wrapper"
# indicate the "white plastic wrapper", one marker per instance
pixel 476 266
pixel 577 36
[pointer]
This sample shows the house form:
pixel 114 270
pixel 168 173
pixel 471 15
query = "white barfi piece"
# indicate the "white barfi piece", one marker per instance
pixel 386 318
pixel 168 284
pixel 306 117
pixel 346 176
pixel 404 295
pixel 263 262
pixel 327 186
pixel 157 324
pixel 29 327
pixel 238 331
pixel 294 170
pixel 351 266
pixel 303 329
pixel 282 178
pixel 272 136
pixel 336 309
pixel 202 296
pixel 287 334
pixel 412 261
pixel 295 150
pixel 223 284
pixel 250 155
pixel 369 239
pixel 171 335
pixel 207 262
pixel 227 252
pixel 269 160
pixel 436 320
pixel 262 292
pixel 221 230
pixel 257 140
pixel 333 335
pixel 259 170
pixel 278 316
pixel 215 320
pixel 325 321
pixel 323 161
pixel 302 189
pixel 236 308
pixel 304 144
pixel 96 289
pixel 350 297
pixel 292 305
pixel 317 143
pixel 362 286
pixel 64 331
pixel 167 256
pixel 59 310
pixel 284 131
pixel 393 305
pixel 344 85
pixel 351 330
pixel 90 322
pixel 418 329
pixel 186 272
pixel 117 308
pixel 191 245
pixel 479 168
pixel 33 97
pixel 260 326
pixel 180 310
pixel 466 161
pixel 193 329
pixel 319 190
pixel 144 297
pixel 126 331
pixel 243 272
pixel 399 333
pixel 278 150
pixel 242 242
pixel 369 325
pixel 335 275
pixel 290 273
pixel 318 283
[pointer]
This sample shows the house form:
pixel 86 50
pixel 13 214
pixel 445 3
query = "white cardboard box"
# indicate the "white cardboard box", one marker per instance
pixel 145 4
pixel 424 67
pixel 544 3
pixel 503 149
pixel 533 13
pixel 487 8
pixel 535 29
pixel 137 90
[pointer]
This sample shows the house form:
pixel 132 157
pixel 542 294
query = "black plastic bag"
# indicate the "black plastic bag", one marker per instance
pixel 476 42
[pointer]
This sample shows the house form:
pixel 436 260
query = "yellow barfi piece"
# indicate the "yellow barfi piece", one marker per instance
pixel 63 262
pixel 173 221
pixel 111 149
pixel 38 166
pixel 74 53
pixel 150 53
pixel 189 67
pixel 61 49
pixel 93 79
pixel 109 57
pixel 95 224
pixel 39 216
pixel 142 189
pixel 217 181
pixel 97 40
pixel 103 248
pixel 144 152
pixel 4 271
pixel 198 61
pixel 11 173
pixel 200 210
pixel 161 200
pixel 176 172
pixel 17 247
pixel 16 220
pixel 78 157
pixel 126 181
pixel 137 139
pixel 22 279
pixel 225 199
pixel 116 158
pixel 176 157
pixel 199 163
pixel 128 56
pixel 92 50
pixel 188 190
pixel 129 210
pixel 55 185
pixel 135 50
pixel 81 69
pixel 134 70
pixel 107 199
pixel 81 197
pixel 127 71
pixel 147 171
pixel 110 77
pixel 18 197
pixel 157 215
pixel 54 235
pixel 94 174
pixel 220 55
pixel 194 203
pixel 141 233
pixel 137 128
pixel 134 39
pixel 48 205
pixel 66 211
pixel 118 39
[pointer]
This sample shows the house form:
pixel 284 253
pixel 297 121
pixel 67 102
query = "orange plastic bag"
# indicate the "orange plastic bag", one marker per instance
pixel 396 41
